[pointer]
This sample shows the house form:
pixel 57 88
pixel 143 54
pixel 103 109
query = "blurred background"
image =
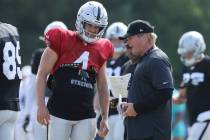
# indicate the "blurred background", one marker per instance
pixel 171 19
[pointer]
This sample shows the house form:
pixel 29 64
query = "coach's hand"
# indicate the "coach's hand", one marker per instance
pixel 129 110
pixel 104 129
pixel 43 115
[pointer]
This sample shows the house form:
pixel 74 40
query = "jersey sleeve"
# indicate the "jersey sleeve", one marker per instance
pixel 161 74
pixel 106 51
pixel 53 39
pixel 111 50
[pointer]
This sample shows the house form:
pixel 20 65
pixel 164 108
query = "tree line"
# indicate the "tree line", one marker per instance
pixel 171 19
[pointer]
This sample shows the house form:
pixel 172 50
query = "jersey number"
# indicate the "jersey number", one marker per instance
pixel 11 67
pixel 114 71
pixel 83 59
pixel 195 77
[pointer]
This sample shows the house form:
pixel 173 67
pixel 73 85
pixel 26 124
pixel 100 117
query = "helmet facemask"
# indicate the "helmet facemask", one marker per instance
pixel 88 36
pixel 190 58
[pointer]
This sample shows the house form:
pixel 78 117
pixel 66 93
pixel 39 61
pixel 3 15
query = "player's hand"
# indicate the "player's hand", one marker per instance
pixel 104 129
pixel 43 116
pixel 26 123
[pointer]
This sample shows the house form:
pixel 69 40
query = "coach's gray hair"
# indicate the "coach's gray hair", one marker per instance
pixel 153 37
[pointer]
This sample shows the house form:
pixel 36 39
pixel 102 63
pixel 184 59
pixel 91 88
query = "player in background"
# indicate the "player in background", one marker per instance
pixel 194 87
pixel 10 77
pixel 20 134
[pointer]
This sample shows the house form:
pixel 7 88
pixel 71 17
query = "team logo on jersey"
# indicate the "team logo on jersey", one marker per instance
pixel 84 75
pixel 194 78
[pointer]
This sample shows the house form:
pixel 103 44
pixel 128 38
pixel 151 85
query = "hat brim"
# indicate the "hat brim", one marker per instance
pixel 125 36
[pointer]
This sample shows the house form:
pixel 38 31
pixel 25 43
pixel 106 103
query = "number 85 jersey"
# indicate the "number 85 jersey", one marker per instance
pixel 10 66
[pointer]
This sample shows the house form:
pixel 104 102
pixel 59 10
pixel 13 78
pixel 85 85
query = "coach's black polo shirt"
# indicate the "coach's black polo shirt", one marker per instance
pixel 152 73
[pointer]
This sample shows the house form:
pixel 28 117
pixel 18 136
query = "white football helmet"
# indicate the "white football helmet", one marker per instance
pixel 52 25
pixel 55 24
pixel 93 13
pixel 191 42
pixel 114 31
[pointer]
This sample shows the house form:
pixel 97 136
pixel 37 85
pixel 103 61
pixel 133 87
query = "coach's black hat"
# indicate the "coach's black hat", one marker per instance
pixel 136 27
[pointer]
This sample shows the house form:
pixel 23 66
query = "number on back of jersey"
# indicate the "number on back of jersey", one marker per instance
pixel 12 61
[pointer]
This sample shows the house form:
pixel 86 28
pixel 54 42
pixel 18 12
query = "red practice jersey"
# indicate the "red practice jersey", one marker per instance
pixel 74 73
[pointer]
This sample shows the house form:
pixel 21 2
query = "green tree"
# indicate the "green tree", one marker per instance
pixel 171 19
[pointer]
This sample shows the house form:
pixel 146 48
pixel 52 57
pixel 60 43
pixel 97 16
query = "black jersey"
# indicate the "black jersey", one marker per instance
pixel 197 81
pixel 36 57
pixel 10 67
pixel 114 66
pixel 73 92
pixel 114 69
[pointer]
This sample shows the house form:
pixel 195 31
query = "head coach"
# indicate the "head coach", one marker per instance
pixel 148 110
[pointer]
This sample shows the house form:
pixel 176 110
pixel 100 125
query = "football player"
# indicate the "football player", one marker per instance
pixel 195 84
pixel 20 134
pixel 76 60
pixel 114 31
pixel 10 76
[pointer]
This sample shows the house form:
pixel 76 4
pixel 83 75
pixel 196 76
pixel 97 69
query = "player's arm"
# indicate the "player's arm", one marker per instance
pixel 182 95
pixel 96 103
pixel 103 92
pixel 103 95
pixel 48 60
